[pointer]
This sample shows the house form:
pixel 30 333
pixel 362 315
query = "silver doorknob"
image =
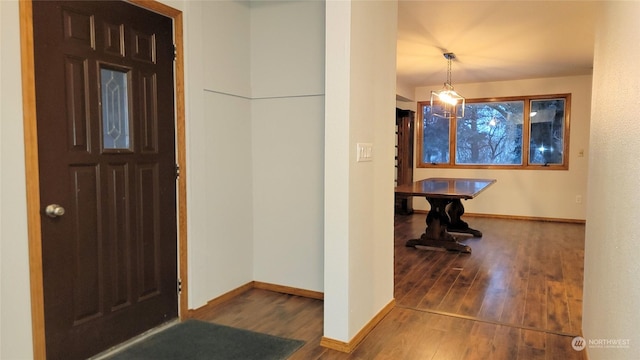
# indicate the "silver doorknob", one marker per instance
pixel 54 210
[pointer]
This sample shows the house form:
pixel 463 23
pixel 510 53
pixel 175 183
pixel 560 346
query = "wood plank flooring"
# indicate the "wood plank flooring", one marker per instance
pixel 517 296
pixel 521 273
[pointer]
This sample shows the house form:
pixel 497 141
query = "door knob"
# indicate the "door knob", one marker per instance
pixel 54 210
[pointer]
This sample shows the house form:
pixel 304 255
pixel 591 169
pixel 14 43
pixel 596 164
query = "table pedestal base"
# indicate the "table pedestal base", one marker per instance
pixel 455 210
pixel 441 220
pixel 453 246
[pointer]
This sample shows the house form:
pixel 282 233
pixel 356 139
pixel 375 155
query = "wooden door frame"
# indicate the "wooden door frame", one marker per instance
pixel 32 170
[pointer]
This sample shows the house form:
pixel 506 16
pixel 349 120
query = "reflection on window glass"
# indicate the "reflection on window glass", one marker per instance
pixel 546 134
pixel 115 109
pixel 435 149
pixel 490 133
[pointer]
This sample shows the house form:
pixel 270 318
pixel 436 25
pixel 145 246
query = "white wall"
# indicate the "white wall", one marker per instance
pixel 371 198
pixel 287 48
pixel 612 287
pixel 255 97
pixel 360 99
pixel 407 92
pixel 287 138
pixel 15 301
pixel 336 170
pixel 529 193
pixel 255 204
pixel 219 172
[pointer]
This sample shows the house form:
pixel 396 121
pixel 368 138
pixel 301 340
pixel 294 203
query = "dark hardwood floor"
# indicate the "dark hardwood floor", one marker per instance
pixel 517 296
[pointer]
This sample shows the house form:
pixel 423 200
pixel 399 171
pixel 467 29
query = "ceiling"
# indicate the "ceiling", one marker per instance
pixel 493 40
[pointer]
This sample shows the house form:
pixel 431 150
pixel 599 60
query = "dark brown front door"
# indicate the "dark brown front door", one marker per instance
pixel 106 148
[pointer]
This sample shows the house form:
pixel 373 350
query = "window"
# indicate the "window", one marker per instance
pixel 114 85
pixel 512 133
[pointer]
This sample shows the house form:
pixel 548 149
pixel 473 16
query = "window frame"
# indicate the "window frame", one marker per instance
pixel 526 130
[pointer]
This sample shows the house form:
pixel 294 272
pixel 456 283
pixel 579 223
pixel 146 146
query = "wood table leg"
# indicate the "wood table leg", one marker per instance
pixel 436 234
pixel 455 210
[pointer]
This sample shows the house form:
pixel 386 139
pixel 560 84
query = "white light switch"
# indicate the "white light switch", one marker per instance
pixel 364 152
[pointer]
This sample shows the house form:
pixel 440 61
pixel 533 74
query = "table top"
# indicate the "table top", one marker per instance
pixel 453 188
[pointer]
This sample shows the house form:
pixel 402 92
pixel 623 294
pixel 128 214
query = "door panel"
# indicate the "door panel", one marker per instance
pixel 105 118
pixel 84 214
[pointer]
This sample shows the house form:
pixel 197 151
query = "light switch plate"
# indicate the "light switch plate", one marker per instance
pixel 364 152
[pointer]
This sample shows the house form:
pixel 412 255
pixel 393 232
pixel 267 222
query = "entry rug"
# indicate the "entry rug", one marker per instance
pixel 198 340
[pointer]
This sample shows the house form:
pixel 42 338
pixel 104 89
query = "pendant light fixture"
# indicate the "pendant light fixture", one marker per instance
pixel 445 101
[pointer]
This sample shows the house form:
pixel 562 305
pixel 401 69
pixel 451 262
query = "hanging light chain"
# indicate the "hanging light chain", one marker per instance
pixel 449 72
pixel 449 57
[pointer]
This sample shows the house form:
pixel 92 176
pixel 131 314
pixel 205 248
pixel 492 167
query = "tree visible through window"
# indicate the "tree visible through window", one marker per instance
pixel 490 134
pixel 436 138
pixel 524 132
pixel 546 141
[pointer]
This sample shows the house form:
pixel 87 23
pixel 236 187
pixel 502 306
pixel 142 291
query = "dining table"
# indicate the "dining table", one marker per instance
pixel 445 197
